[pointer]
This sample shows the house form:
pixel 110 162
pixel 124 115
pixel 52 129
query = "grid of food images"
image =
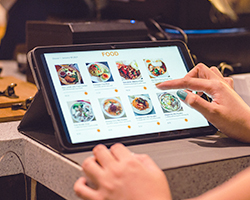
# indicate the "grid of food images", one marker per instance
pixel 103 94
pixel 118 95
pixel 112 107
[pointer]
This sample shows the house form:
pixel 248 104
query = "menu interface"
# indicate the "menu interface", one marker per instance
pixel 111 94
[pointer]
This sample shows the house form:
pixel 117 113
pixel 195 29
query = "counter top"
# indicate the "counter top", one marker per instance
pixel 40 163
pixel 59 171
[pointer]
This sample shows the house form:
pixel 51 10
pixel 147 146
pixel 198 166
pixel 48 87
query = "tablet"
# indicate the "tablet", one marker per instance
pixel 106 93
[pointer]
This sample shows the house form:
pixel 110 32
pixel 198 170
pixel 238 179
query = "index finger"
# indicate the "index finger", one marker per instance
pixel 202 71
pixel 196 84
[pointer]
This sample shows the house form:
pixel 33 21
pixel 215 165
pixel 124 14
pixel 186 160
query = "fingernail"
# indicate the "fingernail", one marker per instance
pixel 182 94
pixel 158 83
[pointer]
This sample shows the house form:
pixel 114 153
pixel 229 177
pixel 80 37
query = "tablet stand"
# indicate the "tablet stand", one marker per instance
pixel 37 123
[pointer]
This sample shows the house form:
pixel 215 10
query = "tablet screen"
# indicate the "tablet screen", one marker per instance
pixel 106 94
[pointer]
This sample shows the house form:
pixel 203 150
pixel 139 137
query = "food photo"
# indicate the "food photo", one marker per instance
pixel 69 74
pixel 128 70
pixel 99 72
pixel 141 104
pixel 81 111
pixel 156 68
pixel 112 108
pixel 169 102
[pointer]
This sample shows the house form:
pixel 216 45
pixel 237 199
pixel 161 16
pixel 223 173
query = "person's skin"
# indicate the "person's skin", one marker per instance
pixel 118 174
pixel 237 188
pixel 228 112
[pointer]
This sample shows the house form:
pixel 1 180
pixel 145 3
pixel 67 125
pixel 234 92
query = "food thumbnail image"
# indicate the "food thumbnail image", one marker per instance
pixel 128 70
pixel 169 102
pixel 69 74
pixel 99 72
pixel 81 111
pixel 156 68
pixel 141 104
pixel 112 107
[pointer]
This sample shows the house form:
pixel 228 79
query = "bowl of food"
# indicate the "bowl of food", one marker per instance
pixel 141 104
pixel 156 67
pixel 99 72
pixel 69 75
pixel 169 102
pixel 128 71
pixel 95 69
pixel 112 107
pixel 81 111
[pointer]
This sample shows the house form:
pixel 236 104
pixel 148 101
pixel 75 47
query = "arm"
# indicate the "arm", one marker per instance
pixel 235 188
pixel 118 174
pixel 228 112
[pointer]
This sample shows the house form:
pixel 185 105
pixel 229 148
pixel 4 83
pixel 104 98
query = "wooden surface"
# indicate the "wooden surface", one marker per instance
pixel 7 114
pixel 23 89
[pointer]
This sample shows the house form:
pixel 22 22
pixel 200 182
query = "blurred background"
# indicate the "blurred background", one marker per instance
pixel 215 31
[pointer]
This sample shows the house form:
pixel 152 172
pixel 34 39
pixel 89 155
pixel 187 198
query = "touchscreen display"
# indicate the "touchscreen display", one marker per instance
pixel 112 94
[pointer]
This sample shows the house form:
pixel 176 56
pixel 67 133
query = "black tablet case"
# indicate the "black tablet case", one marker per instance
pixel 37 123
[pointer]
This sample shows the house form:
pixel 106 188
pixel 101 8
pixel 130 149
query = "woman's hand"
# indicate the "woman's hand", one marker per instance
pixel 228 112
pixel 119 174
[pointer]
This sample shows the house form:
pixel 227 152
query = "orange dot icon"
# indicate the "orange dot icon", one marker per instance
pixel 145 88
pixel 186 120
pixel 129 126
pixel 86 93
pixel 98 130
pixel 158 123
pixel 116 90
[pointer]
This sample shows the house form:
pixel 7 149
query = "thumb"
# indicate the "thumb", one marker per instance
pixel 196 102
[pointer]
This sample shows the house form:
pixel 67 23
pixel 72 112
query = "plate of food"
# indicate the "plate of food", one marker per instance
pixel 68 74
pixel 112 107
pixel 128 71
pixel 156 67
pixel 141 104
pixel 169 102
pixel 99 72
pixel 81 111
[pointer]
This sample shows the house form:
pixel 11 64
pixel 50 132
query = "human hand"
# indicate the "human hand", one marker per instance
pixel 118 174
pixel 228 112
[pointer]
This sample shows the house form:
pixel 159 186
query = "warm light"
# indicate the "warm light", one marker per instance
pixel 2 21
